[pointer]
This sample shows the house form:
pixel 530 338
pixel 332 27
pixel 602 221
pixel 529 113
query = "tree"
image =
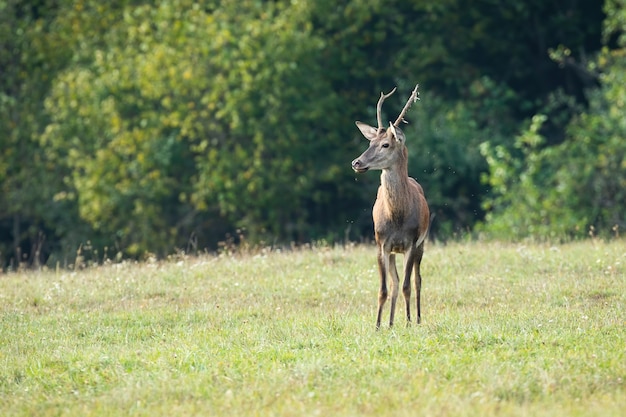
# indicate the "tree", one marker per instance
pixel 29 216
pixel 483 68
pixel 150 127
pixel 189 117
pixel 578 186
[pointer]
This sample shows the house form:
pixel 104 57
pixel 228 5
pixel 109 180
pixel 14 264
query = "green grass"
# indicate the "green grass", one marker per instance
pixel 516 330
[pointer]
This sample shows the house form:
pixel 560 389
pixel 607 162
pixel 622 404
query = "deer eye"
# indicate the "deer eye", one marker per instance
pixel 385 145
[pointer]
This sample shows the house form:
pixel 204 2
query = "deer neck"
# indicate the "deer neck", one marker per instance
pixel 395 187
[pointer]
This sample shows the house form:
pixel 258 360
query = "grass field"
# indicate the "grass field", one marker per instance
pixel 508 329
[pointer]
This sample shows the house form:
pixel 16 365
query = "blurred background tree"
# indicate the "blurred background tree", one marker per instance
pixel 578 186
pixel 134 127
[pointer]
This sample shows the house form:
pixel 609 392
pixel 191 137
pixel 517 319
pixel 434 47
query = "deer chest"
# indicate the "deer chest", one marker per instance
pixel 396 239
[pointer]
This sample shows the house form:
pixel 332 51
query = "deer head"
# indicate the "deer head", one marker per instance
pixel 386 145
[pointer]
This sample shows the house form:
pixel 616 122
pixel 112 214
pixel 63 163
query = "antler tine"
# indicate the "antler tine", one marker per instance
pixel 415 95
pixel 379 107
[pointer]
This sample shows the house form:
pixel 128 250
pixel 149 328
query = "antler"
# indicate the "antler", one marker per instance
pixel 415 95
pixel 379 107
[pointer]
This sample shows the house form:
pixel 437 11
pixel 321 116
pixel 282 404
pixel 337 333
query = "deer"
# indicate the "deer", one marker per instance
pixel 401 214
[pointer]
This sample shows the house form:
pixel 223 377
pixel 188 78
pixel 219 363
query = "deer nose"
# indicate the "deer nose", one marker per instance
pixel 357 166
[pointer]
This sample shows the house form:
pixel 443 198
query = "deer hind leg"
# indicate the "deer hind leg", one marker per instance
pixel 395 283
pixel 409 262
pixel 418 280
pixel 383 263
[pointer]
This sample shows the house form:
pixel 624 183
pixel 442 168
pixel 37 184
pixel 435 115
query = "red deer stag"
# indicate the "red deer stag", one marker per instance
pixel 401 215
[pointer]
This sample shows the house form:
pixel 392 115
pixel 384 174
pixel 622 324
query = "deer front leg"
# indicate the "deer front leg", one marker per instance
pixel 383 263
pixel 395 283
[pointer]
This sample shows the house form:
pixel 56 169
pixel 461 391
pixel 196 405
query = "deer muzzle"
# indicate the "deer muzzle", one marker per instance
pixel 358 166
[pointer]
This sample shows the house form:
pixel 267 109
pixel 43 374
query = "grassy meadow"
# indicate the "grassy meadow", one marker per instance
pixel 507 329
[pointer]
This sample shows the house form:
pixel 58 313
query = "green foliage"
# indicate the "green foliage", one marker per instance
pixel 614 25
pixel 519 184
pixel 274 109
pixel 595 187
pixel 571 189
pixel 146 127
pixel 444 157
pixel 113 128
pixel 190 115
pixel 29 58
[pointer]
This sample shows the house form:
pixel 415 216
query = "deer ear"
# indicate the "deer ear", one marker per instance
pixel 397 133
pixel 368 131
